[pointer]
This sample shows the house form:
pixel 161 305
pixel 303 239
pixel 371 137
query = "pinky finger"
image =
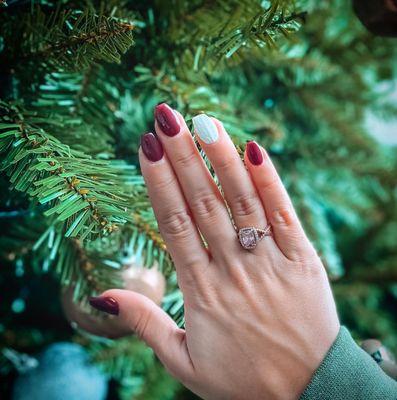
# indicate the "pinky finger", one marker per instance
pixel 287 229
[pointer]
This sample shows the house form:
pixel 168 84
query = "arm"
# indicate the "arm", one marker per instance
pixel 348 372
pixel 259 314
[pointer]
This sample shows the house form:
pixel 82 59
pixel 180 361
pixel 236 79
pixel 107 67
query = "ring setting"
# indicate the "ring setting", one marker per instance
pixel 250 236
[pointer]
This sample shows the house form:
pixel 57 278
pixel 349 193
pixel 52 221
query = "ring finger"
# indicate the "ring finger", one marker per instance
pixel 240 192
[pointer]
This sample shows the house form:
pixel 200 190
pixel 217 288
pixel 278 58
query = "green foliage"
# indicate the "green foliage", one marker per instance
pixel 71 39
pixel 238 27
pixel 76 111
pixel 79 81
pixel 132 363
pixel 81 191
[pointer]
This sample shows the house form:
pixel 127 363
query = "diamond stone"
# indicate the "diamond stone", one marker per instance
pixel 248 237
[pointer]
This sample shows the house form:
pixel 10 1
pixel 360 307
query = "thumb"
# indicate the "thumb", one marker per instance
pixel 138 314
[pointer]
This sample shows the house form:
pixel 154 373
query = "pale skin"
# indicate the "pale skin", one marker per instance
pixel 258 322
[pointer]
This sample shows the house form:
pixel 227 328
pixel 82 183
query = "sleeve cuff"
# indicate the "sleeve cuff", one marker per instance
pixel 349 373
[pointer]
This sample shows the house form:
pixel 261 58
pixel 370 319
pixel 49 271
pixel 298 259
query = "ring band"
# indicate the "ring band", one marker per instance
pixel 250 236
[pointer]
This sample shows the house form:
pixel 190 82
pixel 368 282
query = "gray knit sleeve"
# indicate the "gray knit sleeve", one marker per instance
pixel 349 373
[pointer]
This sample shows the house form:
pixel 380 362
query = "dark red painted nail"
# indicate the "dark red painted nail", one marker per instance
pixel 254 153
pixel 166 119
pixel 106 304
pixel 152 147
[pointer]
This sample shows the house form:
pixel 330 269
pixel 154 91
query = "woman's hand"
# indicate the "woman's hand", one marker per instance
pixel 258 322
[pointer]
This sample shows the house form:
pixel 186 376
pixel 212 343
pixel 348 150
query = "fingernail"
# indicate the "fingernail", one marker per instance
pixel 166 119
pixel 106 304
pixel 151 147
pixel 254 153
pixel 205 128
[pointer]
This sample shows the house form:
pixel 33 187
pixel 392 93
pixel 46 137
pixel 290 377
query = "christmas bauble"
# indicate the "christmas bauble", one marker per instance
pixel 147 281
pixel 84 317
pixel 63 372
pixel 378 16
pixel 381 355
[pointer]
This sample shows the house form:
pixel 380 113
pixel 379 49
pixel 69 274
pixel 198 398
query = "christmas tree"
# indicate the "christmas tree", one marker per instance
pixel 79 81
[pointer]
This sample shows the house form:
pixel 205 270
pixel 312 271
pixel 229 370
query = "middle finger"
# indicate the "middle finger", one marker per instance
pixel 202 194
pixel 240 193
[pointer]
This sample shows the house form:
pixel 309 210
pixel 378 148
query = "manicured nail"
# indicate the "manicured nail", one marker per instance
pixel 151 147
pixel 205 128
pixel 254 153
pixel 166 119
pixel 106 304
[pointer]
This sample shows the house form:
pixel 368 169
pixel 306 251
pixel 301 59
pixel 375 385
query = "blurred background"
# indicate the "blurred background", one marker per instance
pixel 314 82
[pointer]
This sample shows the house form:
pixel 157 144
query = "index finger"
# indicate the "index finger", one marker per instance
pixel 175 222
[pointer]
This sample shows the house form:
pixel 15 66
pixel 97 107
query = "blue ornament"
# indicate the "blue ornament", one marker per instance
pixel 269 103
pixel 64 372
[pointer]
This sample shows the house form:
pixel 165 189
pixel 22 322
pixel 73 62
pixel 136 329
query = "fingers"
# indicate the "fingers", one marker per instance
pixel 138 314
pixel 287 229
pixel 236 182
pixel 172 213
pixel 82 319
pixel 203 196
pixel 253 197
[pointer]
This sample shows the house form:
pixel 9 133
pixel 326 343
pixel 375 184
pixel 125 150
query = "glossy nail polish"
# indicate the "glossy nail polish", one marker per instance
pixel 106 304
pixel 152 147
pixel 166 119
pixel 254 153
pixel 205 128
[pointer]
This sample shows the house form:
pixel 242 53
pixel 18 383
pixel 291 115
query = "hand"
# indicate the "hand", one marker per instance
pixel 258 322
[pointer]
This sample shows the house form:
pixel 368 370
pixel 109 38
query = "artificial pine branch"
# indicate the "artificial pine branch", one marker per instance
pixel 304 102
pixel 89 195
pixel 77 112
pixel 69 39
pixel 259 31
pixel 104 31
pixel 68 256
pixel 244 25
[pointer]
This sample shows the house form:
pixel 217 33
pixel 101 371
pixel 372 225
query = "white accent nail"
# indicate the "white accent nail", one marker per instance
pixel 205 128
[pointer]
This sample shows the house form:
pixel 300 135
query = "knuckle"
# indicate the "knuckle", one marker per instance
pixel 245 204
pixel 225 163
pixel 204 298
pixel 185 160
pixel 193 265
pixel 311 268
pixel 176 223
pixel 204 304
pixel 166 184
pixel 140 325
pixel 206 205
pixel 268 185
pixel 192 279
pixel 315 269
pixel 284 215
pixel 240 279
